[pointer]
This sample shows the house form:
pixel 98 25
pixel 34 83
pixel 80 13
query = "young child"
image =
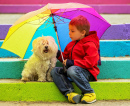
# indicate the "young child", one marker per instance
pixel 81 59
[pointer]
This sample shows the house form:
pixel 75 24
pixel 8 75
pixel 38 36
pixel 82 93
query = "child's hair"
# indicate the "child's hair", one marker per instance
pixel 81 24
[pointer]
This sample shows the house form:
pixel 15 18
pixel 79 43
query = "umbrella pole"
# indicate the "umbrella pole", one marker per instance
pixel 57 37
pixel 64 68
pixel 60 47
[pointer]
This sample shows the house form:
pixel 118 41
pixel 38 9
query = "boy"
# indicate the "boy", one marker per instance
pixel 81 59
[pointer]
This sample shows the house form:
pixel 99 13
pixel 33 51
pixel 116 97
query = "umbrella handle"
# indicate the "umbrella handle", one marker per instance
pixel 64 68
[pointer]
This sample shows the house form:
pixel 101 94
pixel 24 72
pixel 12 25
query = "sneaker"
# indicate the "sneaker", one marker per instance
pixel 89 98
pixel 74 97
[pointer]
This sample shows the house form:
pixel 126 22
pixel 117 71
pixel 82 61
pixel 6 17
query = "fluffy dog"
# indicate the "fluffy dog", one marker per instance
pixel 43 60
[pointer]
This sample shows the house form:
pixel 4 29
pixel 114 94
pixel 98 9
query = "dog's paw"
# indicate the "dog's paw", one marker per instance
pixel 49 79
pixel 41 80
pixel 25 79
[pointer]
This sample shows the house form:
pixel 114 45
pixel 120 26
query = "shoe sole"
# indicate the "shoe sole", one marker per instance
pixel 77 99
pixel 88 102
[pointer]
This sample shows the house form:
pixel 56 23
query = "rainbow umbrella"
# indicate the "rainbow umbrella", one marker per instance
pixel 51 20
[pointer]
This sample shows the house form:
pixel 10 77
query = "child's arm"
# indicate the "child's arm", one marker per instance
pixel 65 55
pixel 58 54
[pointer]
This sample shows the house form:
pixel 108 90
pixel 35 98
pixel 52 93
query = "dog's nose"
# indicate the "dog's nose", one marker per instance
pixel 46 47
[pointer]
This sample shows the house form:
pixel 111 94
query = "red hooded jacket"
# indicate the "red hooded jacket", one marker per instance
pixel 84 53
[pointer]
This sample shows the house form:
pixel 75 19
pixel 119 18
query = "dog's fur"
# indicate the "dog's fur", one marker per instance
pixel 43 60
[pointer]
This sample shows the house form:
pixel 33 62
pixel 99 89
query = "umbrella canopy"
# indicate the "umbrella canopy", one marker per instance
pixel 51 20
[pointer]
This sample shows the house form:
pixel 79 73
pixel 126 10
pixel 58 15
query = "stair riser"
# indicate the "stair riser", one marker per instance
pixel 49 92
pixel 107 49
pixel 119 31
pixel 108 70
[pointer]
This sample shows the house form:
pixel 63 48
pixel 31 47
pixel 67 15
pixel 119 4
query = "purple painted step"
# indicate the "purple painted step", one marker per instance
pixel 111 9
pixel 119 32
pixel 4 30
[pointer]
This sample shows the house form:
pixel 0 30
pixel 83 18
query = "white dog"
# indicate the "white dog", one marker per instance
pixel 43 60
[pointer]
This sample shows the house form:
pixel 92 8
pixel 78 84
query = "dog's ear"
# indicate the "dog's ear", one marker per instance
pixel 33 44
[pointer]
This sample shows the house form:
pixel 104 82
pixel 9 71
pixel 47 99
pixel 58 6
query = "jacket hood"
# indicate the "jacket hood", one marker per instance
pixel 92 37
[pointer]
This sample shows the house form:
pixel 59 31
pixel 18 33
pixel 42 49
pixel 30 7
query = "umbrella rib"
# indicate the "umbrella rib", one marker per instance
pixel 31 38
pixel 39 21
pixel 20 27
pixel 61 20
pixel 96 16
pixel 42 24
pixel 60 15
pixel 46 24
pixel 43 19
pixel 66 16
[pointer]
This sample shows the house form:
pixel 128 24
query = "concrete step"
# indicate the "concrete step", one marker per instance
pixel 111 68
pixel 97 103
pixel 111 18
pixel 15 90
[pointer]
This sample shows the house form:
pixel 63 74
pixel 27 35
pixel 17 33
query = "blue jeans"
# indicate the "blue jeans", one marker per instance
pixel 79 76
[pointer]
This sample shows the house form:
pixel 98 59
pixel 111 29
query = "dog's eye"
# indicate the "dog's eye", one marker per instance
pixel 47 43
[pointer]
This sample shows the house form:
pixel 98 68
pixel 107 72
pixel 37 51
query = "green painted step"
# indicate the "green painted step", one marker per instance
pixel 15 90
pixel 111 68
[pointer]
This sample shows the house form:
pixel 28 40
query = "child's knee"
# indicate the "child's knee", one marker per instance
pixel 71 71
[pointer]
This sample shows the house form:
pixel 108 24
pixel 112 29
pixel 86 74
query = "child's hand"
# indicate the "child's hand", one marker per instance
pixel 64 62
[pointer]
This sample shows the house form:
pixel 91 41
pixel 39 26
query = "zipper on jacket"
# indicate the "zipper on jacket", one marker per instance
pixel 72 48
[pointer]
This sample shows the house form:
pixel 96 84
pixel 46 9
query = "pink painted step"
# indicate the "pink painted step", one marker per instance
pixel 109 9
pixel 63 1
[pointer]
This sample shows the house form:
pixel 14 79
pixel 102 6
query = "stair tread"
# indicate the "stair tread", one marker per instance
pixel 112 19
pixel 16 90
pixel 99 80
pixel 102 58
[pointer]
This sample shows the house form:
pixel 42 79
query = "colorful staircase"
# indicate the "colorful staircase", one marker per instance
pixel 114 78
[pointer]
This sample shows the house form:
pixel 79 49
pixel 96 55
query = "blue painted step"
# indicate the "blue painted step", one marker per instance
pixel 109 48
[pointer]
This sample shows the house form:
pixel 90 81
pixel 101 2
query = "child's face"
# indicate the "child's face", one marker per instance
pixel 75 34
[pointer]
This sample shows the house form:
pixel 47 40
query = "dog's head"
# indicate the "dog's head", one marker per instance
pixel 45 47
